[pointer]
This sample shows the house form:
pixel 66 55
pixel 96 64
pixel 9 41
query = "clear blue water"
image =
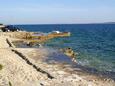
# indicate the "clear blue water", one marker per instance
pixel 95 43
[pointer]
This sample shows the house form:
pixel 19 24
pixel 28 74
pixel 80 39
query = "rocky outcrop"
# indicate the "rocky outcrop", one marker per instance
pixel 18 35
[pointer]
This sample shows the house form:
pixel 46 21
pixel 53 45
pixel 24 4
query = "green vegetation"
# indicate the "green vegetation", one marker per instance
pixel 10 84
pixel 1 66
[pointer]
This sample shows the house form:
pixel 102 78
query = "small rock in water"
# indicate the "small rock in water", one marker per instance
pixel 69 52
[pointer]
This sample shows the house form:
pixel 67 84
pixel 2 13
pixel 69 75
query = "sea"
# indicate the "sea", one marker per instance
pixel 94 43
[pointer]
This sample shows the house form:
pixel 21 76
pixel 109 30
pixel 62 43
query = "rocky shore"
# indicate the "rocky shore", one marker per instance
pixel 34 67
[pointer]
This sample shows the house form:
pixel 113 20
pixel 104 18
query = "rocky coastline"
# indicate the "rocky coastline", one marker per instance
pixel 33 67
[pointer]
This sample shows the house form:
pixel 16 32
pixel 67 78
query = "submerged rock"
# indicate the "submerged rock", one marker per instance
pixel 69 52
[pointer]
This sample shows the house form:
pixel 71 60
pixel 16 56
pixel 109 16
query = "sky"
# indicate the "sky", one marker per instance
pixel 56 11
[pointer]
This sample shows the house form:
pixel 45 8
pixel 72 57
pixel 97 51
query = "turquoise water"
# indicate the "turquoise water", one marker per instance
pixel 95 43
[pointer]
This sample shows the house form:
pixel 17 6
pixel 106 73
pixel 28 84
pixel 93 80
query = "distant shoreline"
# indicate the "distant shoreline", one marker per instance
pixel 66 23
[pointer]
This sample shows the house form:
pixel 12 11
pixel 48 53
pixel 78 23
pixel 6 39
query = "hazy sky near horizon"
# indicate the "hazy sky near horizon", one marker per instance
pixel 56 11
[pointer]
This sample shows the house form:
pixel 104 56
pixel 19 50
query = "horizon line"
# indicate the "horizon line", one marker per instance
pixel 62 23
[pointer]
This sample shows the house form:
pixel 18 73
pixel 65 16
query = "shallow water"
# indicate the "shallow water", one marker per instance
pixel 95 43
